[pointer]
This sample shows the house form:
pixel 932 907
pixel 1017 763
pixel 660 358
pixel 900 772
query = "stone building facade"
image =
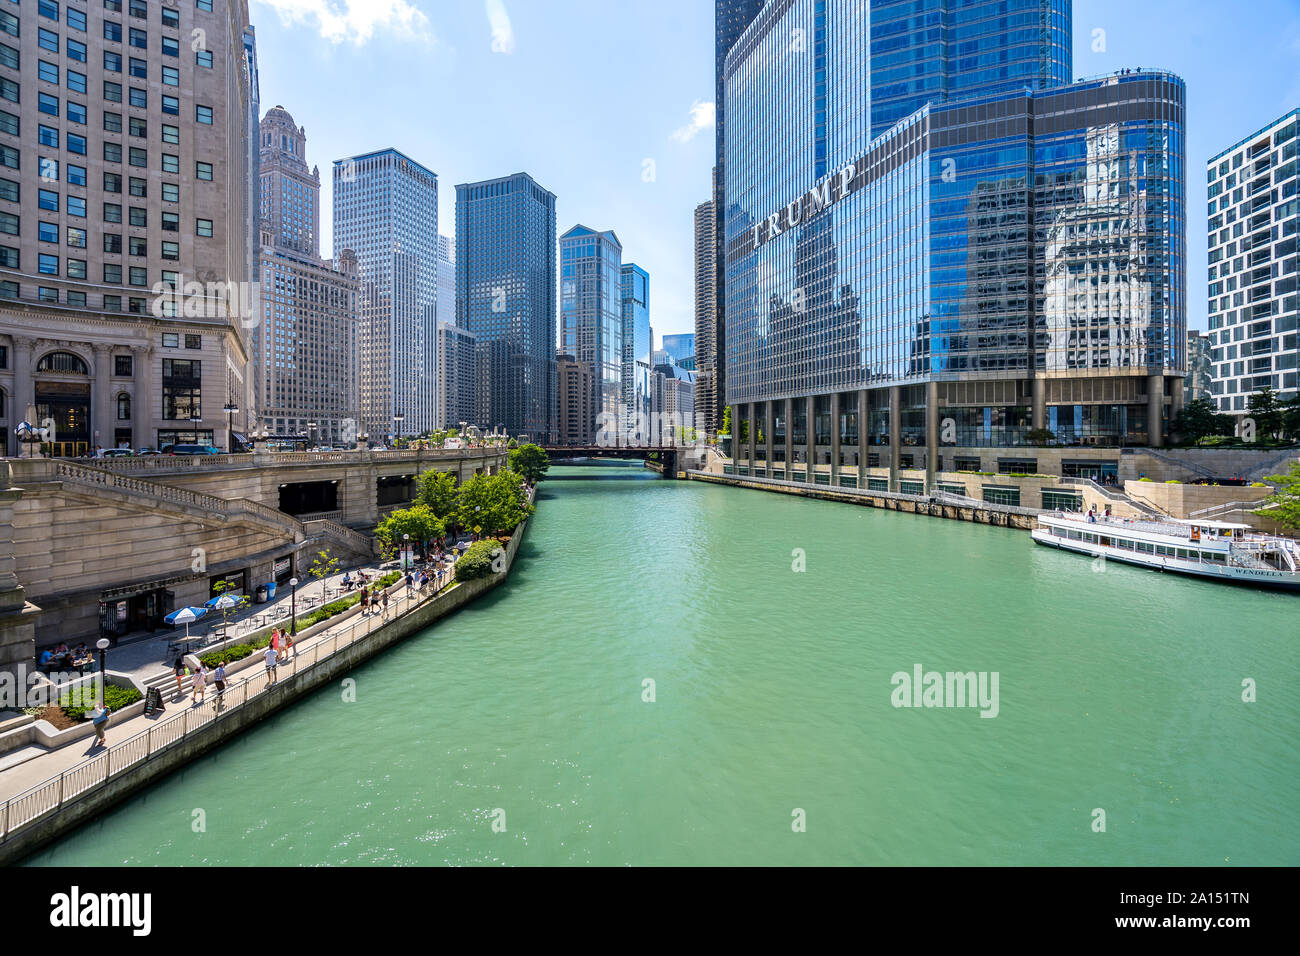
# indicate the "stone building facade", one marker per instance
pixel 125 293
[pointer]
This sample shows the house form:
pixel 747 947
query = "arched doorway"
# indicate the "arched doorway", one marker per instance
pixel 63 397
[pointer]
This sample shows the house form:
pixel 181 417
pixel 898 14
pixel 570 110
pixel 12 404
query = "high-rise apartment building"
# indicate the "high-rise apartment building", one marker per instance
pixel 574 425
pixel 635 292
pixel 505 296
pixel 591 316
pixel 386 210
pixel 457 374
pixel 305 348
pixel 706 287
pixel 125 286
pixel 1004 264
pixel 1254 226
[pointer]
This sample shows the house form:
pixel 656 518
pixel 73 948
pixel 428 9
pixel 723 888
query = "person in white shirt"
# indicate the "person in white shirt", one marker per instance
pixel 271 656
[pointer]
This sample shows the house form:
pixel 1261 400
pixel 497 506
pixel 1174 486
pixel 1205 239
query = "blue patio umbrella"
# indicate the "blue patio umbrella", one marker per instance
pixel 184 616
pixel 223 601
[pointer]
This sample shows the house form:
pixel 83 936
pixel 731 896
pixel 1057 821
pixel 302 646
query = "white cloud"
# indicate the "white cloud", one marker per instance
pixel 701 119
pixel 503 34
pixel 354 20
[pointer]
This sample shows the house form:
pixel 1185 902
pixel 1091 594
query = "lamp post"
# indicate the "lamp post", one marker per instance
pixel 195 420
pixel 102 644
pixel 363 441
pixel 397 426
pixel 311 432
pixel 231 410
pixel 293 606
pixel 406 551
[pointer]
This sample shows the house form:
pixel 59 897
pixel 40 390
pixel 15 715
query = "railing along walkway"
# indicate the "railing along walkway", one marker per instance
pixel 27 807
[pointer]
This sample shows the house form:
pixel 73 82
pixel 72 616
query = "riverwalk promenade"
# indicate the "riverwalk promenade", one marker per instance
pixel 46 796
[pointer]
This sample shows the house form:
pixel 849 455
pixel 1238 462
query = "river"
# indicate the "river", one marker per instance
pixel 517 731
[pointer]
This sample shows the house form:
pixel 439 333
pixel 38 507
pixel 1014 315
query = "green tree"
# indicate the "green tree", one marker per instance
pixel 1291 417
pixel 531 461
pixel 321 568
pixel 726 421
pixel 1200 419
pixel 494 504
pixel 1267 412
pixel 437 493
pixel 221 587
pixel 1039 436
pixel 1285 498
pixel 418 521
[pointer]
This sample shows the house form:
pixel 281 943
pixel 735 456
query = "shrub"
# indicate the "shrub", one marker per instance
pixel 477 561
pixel 75 702
pixel 1173 481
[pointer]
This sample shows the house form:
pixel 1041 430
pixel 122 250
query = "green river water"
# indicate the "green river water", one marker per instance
pixel 1119 690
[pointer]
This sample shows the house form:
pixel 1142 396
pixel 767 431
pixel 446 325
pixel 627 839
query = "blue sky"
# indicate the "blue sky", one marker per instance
pixel 608 103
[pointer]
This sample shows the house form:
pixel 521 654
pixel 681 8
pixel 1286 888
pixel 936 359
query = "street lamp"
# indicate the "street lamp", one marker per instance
pixel 231 409
pixel 102 644
pixel 293 606
pixel 195 420
pixel 397 425
pixel 363 441
pixel 311 431
pixel 406 551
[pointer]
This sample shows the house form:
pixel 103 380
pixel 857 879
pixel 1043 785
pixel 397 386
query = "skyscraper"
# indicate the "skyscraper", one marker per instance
pixel 305 348
pixel 730 19
pixel 591 310
pixel 457 376
pixel 635 285
pixel 505 296
pixel 680 346
pixel 446 280
pixel 933 51
pixel 125 239
pixel 706 287
pixel 1254 225
pixel 1007 263
pixel 386 210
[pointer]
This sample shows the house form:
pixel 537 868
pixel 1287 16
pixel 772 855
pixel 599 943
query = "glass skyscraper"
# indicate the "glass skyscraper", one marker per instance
pixel 635 283
pixel 386 210
pixel 1005 259
pixel 505 296
pixel 932 51
pixel 591 310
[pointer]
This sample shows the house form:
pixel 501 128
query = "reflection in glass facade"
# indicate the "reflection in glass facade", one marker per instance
pixel 1010 259
pixel 591 315
pixel 505 296
pixel 933 51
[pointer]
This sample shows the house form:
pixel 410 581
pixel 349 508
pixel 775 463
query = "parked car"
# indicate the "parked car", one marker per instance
pixel 193 450
pixel 115 453
pixel 146 451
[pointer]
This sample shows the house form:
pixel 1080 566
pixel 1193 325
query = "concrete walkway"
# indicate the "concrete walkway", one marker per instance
pixel 146 658
pixel 251 681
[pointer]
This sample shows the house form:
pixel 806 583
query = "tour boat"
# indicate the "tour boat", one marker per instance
pixel 1218 550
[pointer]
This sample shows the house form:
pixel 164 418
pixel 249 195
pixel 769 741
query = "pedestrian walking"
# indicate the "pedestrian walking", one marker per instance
pixel 276 640
pixel 219 681
pixel 384 599
pixel 410 583
pixel 271 658
pixel 200 684
pixel 365 602
pixel 99 721
pixel 179 670
pixel 286 647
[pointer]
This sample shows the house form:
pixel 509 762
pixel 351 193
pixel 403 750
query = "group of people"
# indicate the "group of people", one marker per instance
pixel 202 676
pixel 63 656
pixel 1092 513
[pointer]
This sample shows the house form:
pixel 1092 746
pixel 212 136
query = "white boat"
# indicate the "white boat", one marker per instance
pixel 1218 550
